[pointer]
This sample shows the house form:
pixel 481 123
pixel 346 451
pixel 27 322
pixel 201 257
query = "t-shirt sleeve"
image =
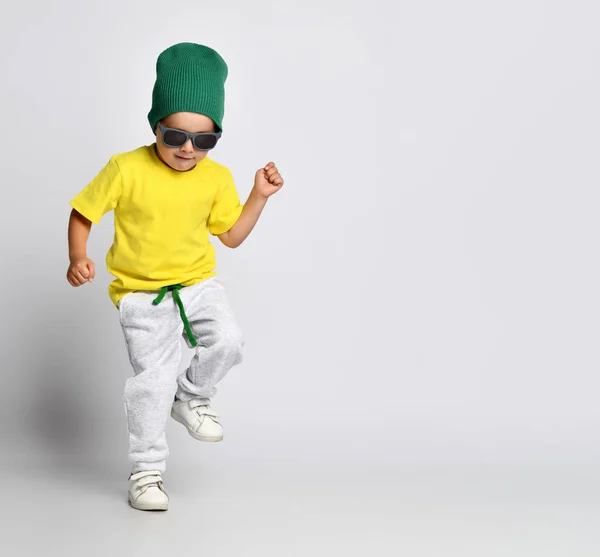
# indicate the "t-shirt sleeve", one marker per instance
pixel 226 208
pixel 101 194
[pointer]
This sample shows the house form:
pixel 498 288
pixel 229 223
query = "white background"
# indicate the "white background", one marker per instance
pixel 420 297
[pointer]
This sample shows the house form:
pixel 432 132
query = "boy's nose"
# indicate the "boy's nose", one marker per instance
pixel 187 147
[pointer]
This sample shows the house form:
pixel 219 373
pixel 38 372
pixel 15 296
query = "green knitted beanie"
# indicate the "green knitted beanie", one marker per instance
pixel 189 78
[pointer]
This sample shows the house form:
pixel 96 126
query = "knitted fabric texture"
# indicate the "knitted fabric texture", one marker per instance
pixel 190 77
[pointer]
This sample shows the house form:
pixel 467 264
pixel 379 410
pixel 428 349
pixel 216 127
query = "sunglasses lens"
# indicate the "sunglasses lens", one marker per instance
pixel 205 142
pixel 174 138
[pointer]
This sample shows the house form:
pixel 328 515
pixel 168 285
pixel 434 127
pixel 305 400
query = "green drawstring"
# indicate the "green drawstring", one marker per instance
pixel 174 288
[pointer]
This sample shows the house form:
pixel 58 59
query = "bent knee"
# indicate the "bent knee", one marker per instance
pixel 232 341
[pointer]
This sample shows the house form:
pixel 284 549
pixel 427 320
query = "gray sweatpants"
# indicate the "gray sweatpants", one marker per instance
pixel 153 338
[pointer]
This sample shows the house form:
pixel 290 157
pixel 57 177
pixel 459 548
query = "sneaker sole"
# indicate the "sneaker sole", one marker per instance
pixel 148 506
pixel 176 417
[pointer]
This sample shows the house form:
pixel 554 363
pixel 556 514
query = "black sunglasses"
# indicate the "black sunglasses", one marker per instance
pixel 173 137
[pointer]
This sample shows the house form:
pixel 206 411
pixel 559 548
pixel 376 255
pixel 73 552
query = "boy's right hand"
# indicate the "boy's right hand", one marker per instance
pixel 80 271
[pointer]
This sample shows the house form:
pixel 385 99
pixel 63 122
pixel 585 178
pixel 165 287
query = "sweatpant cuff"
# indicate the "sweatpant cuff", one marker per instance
pixel 160 465
pixel 186 397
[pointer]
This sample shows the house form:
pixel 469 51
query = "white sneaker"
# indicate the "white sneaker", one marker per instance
pixel 197 416
pixel 146 492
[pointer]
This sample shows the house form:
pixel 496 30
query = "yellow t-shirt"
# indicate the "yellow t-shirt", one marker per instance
pixel 162 218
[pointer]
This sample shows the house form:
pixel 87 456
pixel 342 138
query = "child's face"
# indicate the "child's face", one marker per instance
pixel 185 157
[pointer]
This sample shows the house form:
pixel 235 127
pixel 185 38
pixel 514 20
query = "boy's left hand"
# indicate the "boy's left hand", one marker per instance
pixel 267 180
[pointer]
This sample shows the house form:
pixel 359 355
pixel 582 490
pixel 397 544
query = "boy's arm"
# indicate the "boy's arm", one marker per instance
pixel 81 268
pixel 267 181
pixel 79 231
pixel 97 198
pixel 246 221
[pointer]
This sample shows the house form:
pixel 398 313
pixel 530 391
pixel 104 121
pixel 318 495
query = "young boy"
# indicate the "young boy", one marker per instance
pixel 166 198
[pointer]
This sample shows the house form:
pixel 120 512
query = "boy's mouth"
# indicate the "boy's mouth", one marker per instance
pixel 184 158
